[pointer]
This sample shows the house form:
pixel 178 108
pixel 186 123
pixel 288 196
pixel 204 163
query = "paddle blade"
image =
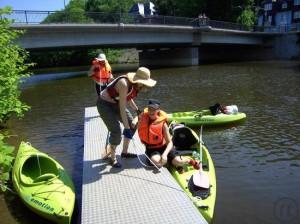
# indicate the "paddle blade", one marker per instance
pixel 201 179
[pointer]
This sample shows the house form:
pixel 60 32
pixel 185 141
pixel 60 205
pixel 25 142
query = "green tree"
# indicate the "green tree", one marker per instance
pixel 73 13
pixel 12 69
pixel 108 10
pixel 247 17
pixel 188 8
pixel 110 6
pixel 6 158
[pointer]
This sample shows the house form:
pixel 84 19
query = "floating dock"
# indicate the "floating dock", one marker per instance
pixel 132 194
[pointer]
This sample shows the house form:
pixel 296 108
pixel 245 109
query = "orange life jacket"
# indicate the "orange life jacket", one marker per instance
pixel 151 132
pixel 101 72
pixel 112 92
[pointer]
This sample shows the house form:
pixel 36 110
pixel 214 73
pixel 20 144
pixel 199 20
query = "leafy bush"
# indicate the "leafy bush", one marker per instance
pixel 12 69
pixel 6 158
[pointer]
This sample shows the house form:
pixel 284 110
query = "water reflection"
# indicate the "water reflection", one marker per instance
pixel 256 161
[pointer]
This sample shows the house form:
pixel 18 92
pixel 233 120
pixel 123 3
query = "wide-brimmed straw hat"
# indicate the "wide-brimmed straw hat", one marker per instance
pixel 101 57
pixel 142 75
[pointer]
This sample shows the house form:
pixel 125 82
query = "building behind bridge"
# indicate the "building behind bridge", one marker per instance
pixel 284 15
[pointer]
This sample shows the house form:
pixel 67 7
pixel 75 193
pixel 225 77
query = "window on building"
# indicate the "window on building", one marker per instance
pixel 268 7
pixel 284 5
pixel 270 19
pixel 296 2
pixel 297 15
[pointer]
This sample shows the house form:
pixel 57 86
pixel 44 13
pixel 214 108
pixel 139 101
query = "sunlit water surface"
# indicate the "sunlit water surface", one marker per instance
pixel 257 162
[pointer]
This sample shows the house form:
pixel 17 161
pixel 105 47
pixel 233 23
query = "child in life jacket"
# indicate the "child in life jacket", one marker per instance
pixel 154 134
pixel 100 73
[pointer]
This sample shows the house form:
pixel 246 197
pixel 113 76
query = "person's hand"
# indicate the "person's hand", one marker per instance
pixel 164 159
pixel 138 112
pixel 134 122
pixel 127 133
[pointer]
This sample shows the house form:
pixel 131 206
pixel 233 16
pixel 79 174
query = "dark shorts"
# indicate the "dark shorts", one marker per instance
pixel 172 154
pixel 110 114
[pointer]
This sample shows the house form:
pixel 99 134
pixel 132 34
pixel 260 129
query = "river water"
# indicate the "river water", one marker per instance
pixel 257 162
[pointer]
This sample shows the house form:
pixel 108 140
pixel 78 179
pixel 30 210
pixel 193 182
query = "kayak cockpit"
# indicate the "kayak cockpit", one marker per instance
pixel 37 169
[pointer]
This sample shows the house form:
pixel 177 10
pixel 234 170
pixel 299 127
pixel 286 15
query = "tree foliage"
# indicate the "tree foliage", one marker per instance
pixel 12 69
pixel 247 16
pixel 73 13
pixel 231 11
pixel 6 159
pixel 110 6
pixel 188 8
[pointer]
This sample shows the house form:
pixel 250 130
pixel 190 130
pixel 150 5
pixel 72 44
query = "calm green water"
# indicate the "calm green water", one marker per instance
pixel 257 162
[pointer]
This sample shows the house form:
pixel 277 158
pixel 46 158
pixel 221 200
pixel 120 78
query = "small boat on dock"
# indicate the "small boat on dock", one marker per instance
pixel 43 185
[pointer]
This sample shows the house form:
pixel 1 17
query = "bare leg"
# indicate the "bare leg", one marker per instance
pixel 156 159
pixel 113 151
pixel 114 162
pixel 125 145
pixel 179 161
pixel 107 152
pixel 125 153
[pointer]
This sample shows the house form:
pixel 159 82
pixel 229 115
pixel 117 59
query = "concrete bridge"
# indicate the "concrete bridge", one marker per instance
pixel 161 45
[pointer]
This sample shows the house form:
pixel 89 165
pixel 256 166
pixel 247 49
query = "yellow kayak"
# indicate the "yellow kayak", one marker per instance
pixel 204 199
pixel 43 185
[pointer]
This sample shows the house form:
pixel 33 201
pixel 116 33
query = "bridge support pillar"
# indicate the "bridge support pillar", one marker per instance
pixel 168 57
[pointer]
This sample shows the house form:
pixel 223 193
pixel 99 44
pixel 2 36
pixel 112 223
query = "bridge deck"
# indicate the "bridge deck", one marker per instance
pixel 133 194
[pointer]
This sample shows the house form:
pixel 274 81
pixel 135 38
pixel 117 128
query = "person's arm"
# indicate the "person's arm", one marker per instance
pixel 122 88
pixel 169 142
pixel 133 105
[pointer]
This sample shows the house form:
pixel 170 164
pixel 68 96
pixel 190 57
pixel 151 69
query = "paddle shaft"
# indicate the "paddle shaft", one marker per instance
pixel 133 141
pixel 201 145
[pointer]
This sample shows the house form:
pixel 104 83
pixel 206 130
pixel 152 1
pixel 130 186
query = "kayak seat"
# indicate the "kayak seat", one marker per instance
pixel 184 138
pixel 37 169
pixel 44 177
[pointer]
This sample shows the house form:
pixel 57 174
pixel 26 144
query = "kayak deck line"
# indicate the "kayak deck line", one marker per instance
pixel 132 194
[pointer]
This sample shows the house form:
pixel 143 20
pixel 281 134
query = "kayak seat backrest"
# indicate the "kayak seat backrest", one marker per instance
pixel 37 169
pixel 184 138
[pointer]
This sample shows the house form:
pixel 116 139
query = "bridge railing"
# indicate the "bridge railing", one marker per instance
pixel 47 17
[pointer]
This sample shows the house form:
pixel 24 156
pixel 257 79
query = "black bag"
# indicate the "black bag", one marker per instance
pixel 216 109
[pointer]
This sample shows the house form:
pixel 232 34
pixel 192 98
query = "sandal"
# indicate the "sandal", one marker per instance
pixel 115 164
pixel 105 154
pixel 128 155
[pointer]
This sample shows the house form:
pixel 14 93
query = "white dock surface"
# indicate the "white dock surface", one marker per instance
pixel 132 194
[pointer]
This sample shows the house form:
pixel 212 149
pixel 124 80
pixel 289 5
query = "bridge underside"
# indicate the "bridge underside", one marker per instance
pixel 161 45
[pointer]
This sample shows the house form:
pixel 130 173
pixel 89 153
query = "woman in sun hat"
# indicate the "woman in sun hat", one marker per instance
pixel 112 107
pixel 100 72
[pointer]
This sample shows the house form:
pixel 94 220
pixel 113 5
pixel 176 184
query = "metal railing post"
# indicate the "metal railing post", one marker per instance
pixel 26 20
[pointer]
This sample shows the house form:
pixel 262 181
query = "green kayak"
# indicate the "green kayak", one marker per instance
pixel 203 198
pixel 205 118
pixel 43 185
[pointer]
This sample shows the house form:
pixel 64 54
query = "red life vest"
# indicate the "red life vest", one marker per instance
pixel 151 132
pixel 101 72
pixel 112 92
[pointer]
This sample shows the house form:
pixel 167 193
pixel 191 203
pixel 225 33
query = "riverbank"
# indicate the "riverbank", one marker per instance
pixel 41 75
